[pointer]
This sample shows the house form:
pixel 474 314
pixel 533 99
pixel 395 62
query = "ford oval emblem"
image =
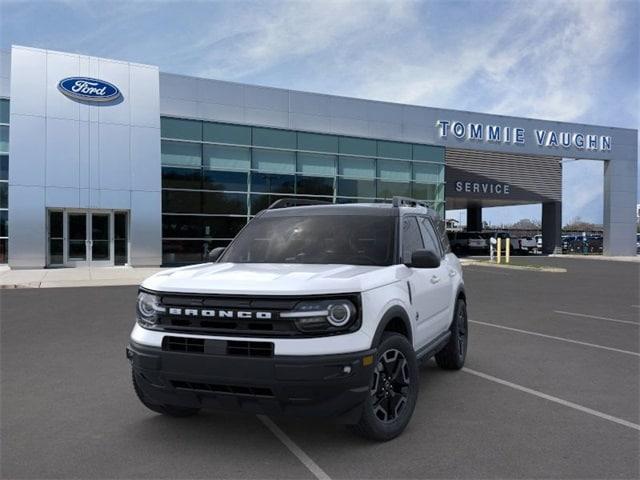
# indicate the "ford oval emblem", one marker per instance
pixel 89 89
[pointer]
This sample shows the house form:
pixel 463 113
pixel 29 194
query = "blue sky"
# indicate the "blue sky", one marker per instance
pixel 562 60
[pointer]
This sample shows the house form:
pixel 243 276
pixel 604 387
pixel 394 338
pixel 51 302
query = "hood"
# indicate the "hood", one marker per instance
pixel 272 279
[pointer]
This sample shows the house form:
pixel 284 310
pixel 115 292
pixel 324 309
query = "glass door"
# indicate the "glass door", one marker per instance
pixel 100 241
pixel 77 239
pixel 84 238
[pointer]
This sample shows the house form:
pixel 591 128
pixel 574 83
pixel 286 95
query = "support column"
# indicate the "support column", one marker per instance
pixel 474 219
pixel 620 198
pixel 552 227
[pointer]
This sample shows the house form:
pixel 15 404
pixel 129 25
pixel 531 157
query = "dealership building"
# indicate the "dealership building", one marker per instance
pixel 106 162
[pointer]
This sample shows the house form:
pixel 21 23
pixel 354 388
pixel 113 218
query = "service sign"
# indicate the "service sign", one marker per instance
pixel 88 89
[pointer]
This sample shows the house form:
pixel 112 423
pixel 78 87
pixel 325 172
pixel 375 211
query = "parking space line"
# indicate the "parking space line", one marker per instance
pixel 608 319
pixel 562 339
pixel 295 449
pixel 551 398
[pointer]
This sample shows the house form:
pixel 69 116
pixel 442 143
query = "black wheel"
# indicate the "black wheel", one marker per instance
pixel 393 391
pixel 169 410
pixel 454 353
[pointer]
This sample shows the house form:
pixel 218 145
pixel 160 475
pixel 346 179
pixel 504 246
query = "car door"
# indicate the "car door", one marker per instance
pixel 447 273
pixel 426 284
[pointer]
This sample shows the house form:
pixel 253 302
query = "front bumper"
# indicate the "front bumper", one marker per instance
pixel 325 385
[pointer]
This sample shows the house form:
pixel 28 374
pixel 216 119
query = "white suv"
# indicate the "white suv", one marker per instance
pixel 311 310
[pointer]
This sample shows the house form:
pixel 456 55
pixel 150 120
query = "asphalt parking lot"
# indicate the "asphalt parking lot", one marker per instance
pixel 551 390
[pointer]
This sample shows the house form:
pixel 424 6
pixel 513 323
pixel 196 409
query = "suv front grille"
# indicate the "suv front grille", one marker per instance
pixel 228 389
pixel 250 349
pixel 218 347
pixel 183 344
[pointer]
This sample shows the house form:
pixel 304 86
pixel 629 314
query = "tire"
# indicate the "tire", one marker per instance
pixel 393 392
pixel 169 410
pixel 454 353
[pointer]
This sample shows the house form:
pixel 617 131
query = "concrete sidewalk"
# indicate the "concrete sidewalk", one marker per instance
pixel 73 277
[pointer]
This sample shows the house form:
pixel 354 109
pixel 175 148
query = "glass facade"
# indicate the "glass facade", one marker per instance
pixel 216 176
pixel 4 179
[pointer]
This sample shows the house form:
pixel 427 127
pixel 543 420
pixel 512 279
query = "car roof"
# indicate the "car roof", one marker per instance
pixel 367 209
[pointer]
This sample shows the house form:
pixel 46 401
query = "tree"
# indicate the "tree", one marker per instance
pixel 526 224
pixel 578 225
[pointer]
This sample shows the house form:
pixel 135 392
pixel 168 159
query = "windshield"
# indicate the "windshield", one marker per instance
pixel 342 239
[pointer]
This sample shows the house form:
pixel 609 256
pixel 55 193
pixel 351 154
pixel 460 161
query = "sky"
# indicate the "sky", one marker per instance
pixel 568 60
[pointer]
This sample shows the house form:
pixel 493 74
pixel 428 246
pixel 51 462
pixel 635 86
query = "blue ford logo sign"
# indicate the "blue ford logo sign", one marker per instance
pixel 89 89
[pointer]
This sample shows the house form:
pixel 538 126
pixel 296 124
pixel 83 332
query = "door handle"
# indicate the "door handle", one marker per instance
pixel 435 279
pixel 452 273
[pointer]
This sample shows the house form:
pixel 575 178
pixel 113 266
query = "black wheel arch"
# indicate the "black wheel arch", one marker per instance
pixel 396 319
pixel 460 295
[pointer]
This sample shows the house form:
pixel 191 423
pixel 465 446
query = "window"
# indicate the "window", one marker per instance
pixel 222 227
pixel 4 195
pixel 224 133
pixel 428 153
pixel 120 238
pixel 357 167
pixel 4 139
pixel 181 226
pixel 175 201
pixel 4 111
pixel 271 137
pixel 358 146
pixel 272 183
pixel 394 150
pixel 173 177
pixel 180 153
pixel 215 176
pixel 339 239
pixel 219 202
pixel 411 238
pixel 393 170
pixel 182 129
pixel 431 241
pixel 227 158
pixel 317 143
pixel 424 191
pixel 314 185
pixel 217 180
pixel 392 189
pixel 428 172
pixel 4 167
pixel 274 161
pixel 4 223
pixel 316 164
pixel 356 188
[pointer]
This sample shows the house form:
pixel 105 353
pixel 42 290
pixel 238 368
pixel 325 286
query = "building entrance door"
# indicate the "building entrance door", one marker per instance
pixel 83 238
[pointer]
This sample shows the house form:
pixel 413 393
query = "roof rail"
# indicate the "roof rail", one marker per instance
pixel 295 202
pixel 408 202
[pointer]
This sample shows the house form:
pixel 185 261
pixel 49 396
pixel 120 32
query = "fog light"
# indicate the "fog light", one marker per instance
pixel 368 360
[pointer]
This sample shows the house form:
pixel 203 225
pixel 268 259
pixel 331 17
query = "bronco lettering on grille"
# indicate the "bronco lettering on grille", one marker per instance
pixel 195 312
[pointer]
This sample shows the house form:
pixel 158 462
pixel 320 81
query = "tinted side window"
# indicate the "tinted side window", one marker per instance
pixel 411 238
pixel 441 230
pixel 431 241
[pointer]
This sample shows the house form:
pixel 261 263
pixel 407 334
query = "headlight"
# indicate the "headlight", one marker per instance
pixel 317 316
pixel 147 309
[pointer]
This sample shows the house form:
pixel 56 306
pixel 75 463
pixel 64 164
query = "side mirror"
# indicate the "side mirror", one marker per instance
pixel 424 259
pixel 214 254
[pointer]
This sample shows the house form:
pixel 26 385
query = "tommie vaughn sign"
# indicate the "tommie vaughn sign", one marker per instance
pixel 516 135
pixel 88 89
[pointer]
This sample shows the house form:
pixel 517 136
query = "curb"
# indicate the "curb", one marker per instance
pixel 475 263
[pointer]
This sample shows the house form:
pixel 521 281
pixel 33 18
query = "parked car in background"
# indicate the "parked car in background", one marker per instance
pixel 529 245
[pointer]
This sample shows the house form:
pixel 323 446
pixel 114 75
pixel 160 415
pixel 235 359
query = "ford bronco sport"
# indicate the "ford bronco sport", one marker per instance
pixel 311 310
